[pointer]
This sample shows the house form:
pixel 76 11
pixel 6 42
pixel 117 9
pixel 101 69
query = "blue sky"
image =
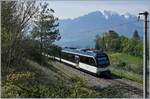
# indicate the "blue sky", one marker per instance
pixel 72 9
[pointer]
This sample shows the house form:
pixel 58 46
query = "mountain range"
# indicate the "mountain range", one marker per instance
pixel 81 32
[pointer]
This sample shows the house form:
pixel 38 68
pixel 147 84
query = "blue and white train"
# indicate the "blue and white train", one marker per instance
pixel 92 61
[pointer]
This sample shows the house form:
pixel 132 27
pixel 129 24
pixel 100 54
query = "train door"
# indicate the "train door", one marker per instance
pixel 77 59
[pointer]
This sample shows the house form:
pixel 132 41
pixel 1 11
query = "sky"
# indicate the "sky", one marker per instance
pixel 65 9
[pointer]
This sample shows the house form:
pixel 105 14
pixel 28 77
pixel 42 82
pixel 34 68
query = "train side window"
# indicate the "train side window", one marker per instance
pixel 68 56
pixel 64 55
pixel 71 57
pixel 83 59
pixel 87 60
pixel 92 62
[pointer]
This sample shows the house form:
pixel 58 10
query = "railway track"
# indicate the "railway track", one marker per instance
pixel 131 89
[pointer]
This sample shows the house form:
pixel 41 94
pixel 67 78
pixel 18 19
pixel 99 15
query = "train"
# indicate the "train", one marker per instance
pixel 93 61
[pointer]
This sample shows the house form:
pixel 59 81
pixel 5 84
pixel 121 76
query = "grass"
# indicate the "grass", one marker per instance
pixel 31 80
pixel 129 75
pixel 127 66
pixel 27 81
pixel 127 58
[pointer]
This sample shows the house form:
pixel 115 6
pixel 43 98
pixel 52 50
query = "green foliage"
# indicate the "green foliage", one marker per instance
pixel 127 66
pixel 127 62
pixel 46 26
pixel 133 47
pixel 113 92
pixel 99 43
pixel 45 30
pixel 54 50
pixel 17 17
pixel 111 41
pixel 77 86
pixel 136 35
pixel 27 81
pixel 32 50
pixel 129 75
pixel 18 78
pixel 121 64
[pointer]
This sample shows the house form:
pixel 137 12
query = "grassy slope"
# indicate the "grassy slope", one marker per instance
pixel 133 66
pixel 32 80
pixel 126 58
pixel 27 81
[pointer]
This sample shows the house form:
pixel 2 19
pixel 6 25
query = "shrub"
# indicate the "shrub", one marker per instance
pixel 121 64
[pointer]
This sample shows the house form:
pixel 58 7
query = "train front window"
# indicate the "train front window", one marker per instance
pixel 102 61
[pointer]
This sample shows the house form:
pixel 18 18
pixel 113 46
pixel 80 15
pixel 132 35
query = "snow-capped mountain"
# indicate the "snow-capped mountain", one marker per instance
pixel 81 31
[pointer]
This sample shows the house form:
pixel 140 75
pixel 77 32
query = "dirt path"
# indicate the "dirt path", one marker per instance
pixel 130 88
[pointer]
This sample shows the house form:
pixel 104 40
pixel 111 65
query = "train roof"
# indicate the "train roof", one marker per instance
pixel 82 52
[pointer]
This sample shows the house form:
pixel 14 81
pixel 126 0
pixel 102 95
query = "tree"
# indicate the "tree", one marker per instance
pixel 115 45
pixel 109 41
pixel 98 42
pixel 124 43
pixel 136 35
pixel 45 30
pixel 16 17
pixel 132 46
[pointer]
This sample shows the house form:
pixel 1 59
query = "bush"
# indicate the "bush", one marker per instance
pixel 121 64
